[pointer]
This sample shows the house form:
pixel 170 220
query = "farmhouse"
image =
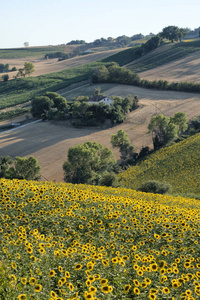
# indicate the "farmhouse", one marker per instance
pixel 99 99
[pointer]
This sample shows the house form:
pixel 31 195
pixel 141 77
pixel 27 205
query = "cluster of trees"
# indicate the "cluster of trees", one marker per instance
pixel 165 130
pixel 115 74
pixel 49 105
pixel 6 68
pixel 174 33
pixel 59 55
pixel 52 106
pixel 76 42
pixel 21 168
pixel 27 70
pixel 93 164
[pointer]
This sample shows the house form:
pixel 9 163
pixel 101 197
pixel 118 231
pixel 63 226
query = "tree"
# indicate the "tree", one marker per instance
pixel 86 163
pixel 25 168
pixel 5 77
pixel 121 141
pixel 173 33
pixel 26 44
pixel 180 119
pixel 41 105
pixel 163 130
pixel 28 68
pixel 5 162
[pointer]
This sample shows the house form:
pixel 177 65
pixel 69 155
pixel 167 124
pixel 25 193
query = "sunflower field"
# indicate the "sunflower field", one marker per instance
pixel 62 241
pixel 178 164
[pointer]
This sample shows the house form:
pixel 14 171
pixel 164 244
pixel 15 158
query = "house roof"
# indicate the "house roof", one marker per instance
pixel 96 98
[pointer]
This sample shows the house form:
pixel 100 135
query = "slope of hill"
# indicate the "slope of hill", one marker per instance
pixel 64 241
pixel 180 70
pixel 177 164
pixel 164 55
pixel 52 141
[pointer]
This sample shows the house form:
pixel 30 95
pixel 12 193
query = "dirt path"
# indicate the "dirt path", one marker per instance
pixel 49 143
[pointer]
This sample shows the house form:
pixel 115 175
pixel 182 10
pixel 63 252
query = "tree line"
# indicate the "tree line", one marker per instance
pixel 121 75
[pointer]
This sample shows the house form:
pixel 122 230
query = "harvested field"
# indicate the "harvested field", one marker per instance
pixel 43 66
pixel 50 142
pixel 185 69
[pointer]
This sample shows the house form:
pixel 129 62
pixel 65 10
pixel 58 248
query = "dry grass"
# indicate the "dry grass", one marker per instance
pixel 185 69
pixel 50 142
pixel 43 66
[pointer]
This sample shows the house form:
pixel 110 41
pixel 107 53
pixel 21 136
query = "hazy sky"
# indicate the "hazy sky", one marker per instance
pixel 48 22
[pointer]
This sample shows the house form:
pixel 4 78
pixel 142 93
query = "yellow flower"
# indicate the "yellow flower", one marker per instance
pixel 38 288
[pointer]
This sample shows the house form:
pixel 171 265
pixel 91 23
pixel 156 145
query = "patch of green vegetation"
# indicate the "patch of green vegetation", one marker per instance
pixel 164 54
pixel 21 90
pixel 30 51
pixel 13 113
pixel 177 164
pixel 123 57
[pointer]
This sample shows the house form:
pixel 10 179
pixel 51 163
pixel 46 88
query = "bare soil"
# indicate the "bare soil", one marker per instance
pixel 49 142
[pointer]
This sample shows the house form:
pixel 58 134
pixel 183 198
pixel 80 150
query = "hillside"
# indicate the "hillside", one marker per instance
pixel 52 141
pixel 43 66
pixel 183 69
pixel 85 242
pixel 164 54
pixel 177 164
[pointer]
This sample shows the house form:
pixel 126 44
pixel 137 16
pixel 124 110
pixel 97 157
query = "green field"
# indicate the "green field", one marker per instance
pixel 30 51
pixel 177 164
pixel 21 90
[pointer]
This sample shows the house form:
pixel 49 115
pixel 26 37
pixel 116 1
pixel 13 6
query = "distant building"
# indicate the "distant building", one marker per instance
pixel 99 99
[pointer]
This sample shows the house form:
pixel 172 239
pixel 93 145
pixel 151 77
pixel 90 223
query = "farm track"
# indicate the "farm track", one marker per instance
pixel 49 142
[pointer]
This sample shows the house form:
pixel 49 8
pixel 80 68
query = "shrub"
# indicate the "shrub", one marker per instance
pixel 156 187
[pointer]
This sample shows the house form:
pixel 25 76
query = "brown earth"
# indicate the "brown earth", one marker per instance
pixel 185 69
pixel 50 142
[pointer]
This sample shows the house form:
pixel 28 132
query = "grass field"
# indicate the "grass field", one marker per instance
pixel 64 241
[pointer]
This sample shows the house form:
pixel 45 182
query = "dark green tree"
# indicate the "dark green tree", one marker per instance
pixel 173 33
pixel 5 77
pixel 5 162
pixel 40 105
pixel 163 130
pixel 24 168
pixel 86 163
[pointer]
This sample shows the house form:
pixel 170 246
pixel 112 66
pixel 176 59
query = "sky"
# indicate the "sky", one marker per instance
pixel 55 22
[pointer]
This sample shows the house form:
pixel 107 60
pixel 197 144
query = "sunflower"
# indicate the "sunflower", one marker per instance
pixel 22 297
pixel 38 288
pixel 52 273
pixel 78 267
pixel 127 288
